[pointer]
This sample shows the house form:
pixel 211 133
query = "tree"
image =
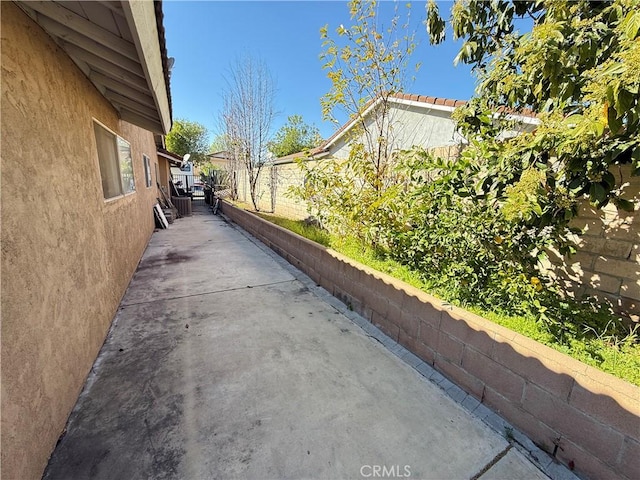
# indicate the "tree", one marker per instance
pixel 218 144
pixel 365 71
pixel 189 137
pixel 247 117
pixel 294 137
pixel 367 62
pixel 578 69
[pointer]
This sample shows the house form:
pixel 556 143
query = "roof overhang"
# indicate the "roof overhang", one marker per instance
pixel 221 155
pixel 119 45
pixel 171 157
pixel 314 154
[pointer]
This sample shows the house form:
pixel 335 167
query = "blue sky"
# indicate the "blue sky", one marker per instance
pixel 207 37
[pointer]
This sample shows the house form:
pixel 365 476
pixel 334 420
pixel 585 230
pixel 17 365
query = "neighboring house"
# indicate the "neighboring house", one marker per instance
pixel 220 160
pixel 85 95
pixel 416 120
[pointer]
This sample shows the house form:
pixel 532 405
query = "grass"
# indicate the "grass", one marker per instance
pixel 619 357
pixel 301 228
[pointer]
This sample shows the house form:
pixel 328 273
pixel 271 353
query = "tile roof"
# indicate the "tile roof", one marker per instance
pixel 447 102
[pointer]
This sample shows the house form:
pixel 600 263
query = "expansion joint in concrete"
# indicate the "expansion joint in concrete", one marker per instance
pixel 495 460
pixel 212 292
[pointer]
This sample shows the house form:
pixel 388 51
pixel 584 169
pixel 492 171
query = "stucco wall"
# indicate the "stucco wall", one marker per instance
pixel 67 255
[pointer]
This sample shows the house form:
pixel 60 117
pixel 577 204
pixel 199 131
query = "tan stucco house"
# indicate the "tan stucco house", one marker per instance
pixel 85 97
pixel 220 159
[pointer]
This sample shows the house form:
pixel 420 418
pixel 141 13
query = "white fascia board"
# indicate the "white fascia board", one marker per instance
pixel 287 161
pixel 169 158
pixel 141 18
pixel 351 122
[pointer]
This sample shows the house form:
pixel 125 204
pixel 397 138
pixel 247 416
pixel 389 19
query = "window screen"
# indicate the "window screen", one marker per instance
pixel 126 166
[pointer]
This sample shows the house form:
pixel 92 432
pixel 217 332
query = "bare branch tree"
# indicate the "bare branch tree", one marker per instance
pixel 248 113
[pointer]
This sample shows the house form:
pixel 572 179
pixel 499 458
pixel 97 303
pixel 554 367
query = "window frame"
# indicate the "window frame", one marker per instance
pixel 120 144
pixel 148 177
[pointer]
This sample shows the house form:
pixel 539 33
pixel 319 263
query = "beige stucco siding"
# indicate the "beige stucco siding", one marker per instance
pixel 67 255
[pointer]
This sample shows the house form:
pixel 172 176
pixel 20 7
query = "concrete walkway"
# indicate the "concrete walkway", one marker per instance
pixel 225 362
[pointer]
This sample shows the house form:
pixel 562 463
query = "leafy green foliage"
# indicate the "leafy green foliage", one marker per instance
pixel 220 143
pixel 294 137
pixel 347 196
pixel 188 137
pixel 578 69
pixel 472 247
pixel 475 229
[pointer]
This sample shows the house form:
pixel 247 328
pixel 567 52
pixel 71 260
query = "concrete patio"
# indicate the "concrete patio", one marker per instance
pixel 225 362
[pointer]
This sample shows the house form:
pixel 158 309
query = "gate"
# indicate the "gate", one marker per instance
pixel 190 186
pixel 218 184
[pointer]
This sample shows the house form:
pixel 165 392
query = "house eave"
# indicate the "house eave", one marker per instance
pixel 141 16
pixel 117 45
pixel 171 157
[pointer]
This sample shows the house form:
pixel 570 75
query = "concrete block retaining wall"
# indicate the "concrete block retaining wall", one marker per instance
pixel 589 419
pixel 607 264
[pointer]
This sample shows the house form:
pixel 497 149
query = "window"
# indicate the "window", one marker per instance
pixel 116 165
pixel 147 170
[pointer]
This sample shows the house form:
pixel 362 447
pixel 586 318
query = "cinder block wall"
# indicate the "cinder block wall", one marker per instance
pixel 281 178
pixel 607 264
pixel 289 175
pixel 592 417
